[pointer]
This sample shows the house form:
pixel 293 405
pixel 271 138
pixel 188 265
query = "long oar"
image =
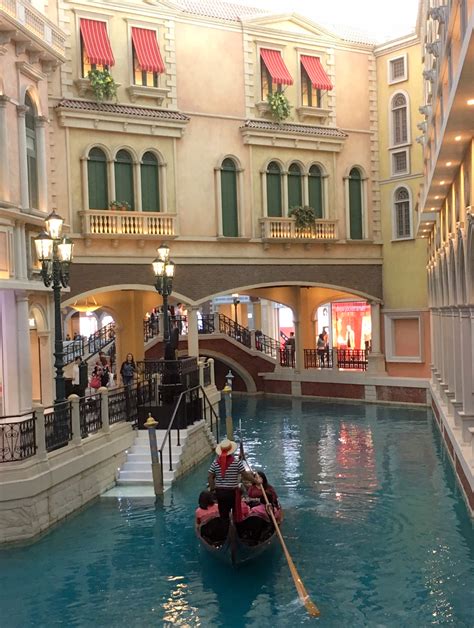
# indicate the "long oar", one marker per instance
pixel 310 606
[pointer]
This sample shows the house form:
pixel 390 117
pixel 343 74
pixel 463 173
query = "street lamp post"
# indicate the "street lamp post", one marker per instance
pixel 55 254
pixel 163 268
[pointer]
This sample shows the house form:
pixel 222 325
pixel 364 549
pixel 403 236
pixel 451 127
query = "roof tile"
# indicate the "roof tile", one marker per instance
pixel 124 110
pixel 303 129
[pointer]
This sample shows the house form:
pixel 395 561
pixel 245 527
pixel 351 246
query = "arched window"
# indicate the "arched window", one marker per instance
pixel 355 205
pixel 31 152
pixel 149 171
pixel 402 213
pixel 315 190
pixel 295 188
pixel 124 178
pixel 230 222
pixel 399 119
pixel 274 205
pixel 97 179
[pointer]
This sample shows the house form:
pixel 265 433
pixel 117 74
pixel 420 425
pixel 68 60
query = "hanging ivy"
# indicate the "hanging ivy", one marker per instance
pixel 279 106
pixel 103 84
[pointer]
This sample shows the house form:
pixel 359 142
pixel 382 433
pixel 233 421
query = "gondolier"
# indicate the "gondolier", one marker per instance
pixel 224 476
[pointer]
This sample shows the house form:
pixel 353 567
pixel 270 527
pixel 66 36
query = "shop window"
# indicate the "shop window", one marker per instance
pixel 97 180
pixel 124 189
pixel 295 187
pixel 230 223
pixel 150 182
pixel 274 204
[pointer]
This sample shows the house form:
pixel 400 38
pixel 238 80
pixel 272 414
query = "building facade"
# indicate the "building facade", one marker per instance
pixel 445 220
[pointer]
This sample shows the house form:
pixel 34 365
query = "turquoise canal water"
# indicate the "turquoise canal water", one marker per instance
pixel 374 522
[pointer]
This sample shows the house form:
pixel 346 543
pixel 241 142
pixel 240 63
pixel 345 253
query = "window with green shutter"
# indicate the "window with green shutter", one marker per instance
pixel 124 178
pixel 274 205
pixel 315 190
pixel 31 152
pixel 97 179
pixel 230 223
pixel 295 187
pixel 355 204
pixel 150 183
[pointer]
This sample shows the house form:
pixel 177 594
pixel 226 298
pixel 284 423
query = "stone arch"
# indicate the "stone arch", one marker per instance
pixel 38 312
pixel 234 366
pixel 31 91
pixel 235 159
pixel 128 149
pixel 105 149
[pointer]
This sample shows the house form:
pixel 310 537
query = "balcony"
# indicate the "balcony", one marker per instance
pixel 285 230
pixel 117 224
pixel 30 30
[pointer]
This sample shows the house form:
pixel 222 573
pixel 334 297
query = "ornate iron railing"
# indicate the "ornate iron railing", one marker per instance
pixel 317 359
pixel 151 328
pixel 58 426
pixel 234 330
pixel 267 345
pixel 73 349
pixel 119 403
pixel 352 359
pixel 100 338
pixel 90 413
pixel 287 357
pixel 17 438
pixel 207 325
pixel 185 371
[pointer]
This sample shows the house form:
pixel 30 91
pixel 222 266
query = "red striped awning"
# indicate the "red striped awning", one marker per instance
pixel 317 75
pixel 276 66
pixel 96 42
pixel 147 50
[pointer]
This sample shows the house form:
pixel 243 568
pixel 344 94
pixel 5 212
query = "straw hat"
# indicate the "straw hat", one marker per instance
pixel 226 446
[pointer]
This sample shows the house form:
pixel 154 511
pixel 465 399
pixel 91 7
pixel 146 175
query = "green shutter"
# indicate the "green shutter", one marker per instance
pixel 97 179
pixel 230 224
pixel 355 204
pixel 124 178
pixel 274 208
pixel 295 192
pixel 315 190
pixel 150 183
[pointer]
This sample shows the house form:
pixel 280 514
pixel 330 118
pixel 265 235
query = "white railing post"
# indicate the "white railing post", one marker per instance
pixel 41 452
pixel 104 408
pixel 201 372
pixel 75 419
pixel 210 361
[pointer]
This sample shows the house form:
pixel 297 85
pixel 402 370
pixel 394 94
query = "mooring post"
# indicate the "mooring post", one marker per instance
pixel 151 424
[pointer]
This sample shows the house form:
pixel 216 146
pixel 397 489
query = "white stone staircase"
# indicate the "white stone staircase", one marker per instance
pixel 136 470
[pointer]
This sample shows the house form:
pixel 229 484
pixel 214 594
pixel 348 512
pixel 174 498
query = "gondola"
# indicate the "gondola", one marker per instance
pixel 236 542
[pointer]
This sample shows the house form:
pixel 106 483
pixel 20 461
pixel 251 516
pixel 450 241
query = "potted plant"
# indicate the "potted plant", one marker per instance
pixel 305 217
pixel 120 206
pixel 103 84
pixel 279 106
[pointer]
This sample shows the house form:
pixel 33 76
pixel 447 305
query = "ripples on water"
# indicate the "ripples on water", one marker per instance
pixel 374 522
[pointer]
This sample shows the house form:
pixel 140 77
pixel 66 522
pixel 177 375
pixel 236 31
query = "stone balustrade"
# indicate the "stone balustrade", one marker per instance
pixel 285 229
pixel 128 223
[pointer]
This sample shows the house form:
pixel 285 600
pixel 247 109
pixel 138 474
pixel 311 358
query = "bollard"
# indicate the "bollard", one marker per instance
pixel 75 419
pixel 151 424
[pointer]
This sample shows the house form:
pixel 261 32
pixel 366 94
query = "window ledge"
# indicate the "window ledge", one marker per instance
pixel 262 106
pixel 407 239
pixel 142 91
pixel 312 112
pixel 84 87
pixel 232 238
pixel 399 146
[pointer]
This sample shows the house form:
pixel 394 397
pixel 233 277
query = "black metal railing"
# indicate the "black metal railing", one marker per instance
pixel 194 402
pixel 73 349
pixel 267 345
pixel 18 438
pixel 352 359
pixel 120 402
pixel 318 359
pixel 234 330
pixel 184 371
pixel 90 413
pixel 287 357
pixel 207 325
pixel 151 328
pixel 100 338
pixel 58 426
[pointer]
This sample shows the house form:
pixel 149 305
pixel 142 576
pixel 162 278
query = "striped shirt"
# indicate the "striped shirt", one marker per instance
pixel 231 478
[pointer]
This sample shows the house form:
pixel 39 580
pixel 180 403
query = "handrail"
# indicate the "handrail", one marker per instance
pixel 94 343
pixel 234 330
pixel 173 417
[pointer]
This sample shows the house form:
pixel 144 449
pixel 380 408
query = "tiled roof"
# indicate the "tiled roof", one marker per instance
pixel 219 9
pixel 124 110
pixel 303 129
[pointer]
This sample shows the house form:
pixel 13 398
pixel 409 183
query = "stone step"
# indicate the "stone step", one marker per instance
pixel 137 474
pixel 145 467
pixel 146 457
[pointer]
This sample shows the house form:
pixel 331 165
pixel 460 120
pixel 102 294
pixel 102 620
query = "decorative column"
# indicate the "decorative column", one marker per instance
pixel 21 271
pixel 137 186
pixel 24 351
pixel 163 188
pixel 456 356
pixel 40 130
pixel 4 157
pixel 193 332
pixel 24 196
pixel 284 204
pixel 299 346
pixel 111 179
pixel 467 333
pixel 376 359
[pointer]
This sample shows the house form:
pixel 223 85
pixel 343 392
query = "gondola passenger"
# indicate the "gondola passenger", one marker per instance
pixel 255 493
pixel 207 507
pixel 224 475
